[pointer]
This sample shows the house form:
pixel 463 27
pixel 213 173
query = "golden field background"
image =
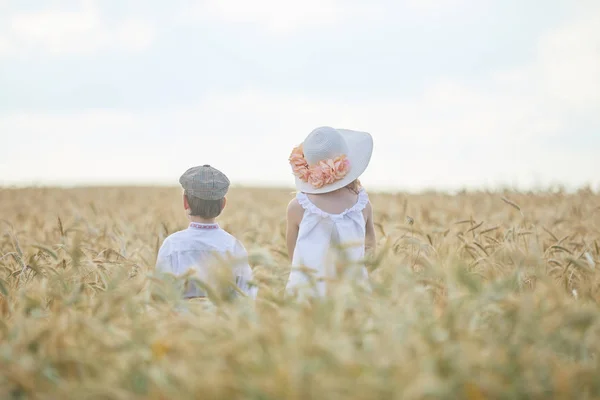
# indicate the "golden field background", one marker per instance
pixel 476 295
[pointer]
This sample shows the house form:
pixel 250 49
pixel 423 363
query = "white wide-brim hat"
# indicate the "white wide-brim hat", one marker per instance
pixel 327 143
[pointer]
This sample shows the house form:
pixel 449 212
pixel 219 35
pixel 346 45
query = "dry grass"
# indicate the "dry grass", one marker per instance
pixel 475 296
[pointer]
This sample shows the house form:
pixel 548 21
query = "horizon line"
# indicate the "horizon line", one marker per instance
pixel 558 187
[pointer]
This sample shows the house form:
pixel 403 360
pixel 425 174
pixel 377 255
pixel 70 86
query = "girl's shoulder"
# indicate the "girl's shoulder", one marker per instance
pixel 294 204
pixel 295 210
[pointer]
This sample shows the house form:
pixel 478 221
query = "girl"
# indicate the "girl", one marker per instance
pixel 331 210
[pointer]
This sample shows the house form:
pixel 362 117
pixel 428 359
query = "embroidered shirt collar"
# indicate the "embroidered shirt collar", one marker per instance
pixel 197 225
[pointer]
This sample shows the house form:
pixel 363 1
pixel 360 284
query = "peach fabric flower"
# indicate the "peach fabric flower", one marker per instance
pixel 323 173
pixel 303 173
pixel 327 167
pixel 297 158
pixel 299 164
pixel 317 177
pixel 341 167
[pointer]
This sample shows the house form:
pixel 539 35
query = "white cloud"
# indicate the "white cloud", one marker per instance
pixel 82 31
pixel 134 34
pixel 280 16
pixel 428 7
pixel 5 46
pixel 291 16
pixel 570 63
pixel 565 75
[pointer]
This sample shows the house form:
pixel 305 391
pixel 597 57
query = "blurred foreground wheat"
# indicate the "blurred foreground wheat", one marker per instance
pixel 481 295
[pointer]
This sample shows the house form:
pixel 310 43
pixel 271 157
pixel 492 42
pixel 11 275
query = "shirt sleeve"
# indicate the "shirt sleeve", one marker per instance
pixel 243 272
pixel 163 261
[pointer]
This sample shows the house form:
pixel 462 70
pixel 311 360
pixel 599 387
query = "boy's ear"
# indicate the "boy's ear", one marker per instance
pixel 186 204
pixel 224 203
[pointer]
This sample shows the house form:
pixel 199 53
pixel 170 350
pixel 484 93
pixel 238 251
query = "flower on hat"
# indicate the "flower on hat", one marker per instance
pixel 299 164
pixel 323 173
pixel 317 177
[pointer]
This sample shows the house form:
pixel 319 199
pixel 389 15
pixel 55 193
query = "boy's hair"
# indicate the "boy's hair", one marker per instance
pixel 206 209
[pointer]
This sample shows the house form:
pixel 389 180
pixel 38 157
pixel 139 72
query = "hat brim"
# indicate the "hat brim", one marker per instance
pixel 360 149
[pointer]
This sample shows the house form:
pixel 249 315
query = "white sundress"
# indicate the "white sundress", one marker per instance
pixel 320 236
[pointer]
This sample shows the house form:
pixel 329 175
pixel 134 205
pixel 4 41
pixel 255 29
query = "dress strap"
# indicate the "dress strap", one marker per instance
pixel 359 206
pixel 362 202
pixel 308 205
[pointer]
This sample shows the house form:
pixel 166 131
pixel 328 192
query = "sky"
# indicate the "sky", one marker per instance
pixel 456 93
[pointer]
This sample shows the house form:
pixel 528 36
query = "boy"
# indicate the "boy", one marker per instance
pixel 204 243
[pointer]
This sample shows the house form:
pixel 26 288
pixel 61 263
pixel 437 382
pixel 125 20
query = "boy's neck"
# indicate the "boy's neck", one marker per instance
pixel 200 220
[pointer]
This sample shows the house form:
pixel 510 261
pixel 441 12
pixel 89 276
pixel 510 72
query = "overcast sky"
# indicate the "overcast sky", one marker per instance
pixel 455 92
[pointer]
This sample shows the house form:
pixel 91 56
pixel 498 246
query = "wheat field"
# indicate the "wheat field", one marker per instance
pixel 475 296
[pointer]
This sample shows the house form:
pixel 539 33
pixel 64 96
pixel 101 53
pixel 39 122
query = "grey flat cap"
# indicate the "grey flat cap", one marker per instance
pixel 205 182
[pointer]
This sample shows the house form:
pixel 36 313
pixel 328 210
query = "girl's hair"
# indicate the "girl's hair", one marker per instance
pixel 354 186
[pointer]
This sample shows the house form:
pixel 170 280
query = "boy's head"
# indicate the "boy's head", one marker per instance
pixel 205 189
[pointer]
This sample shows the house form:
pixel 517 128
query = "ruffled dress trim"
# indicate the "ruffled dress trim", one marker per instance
pixel 361 203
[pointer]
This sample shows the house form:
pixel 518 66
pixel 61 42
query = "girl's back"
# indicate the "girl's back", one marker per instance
pixel 331 227
pixel 335 202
